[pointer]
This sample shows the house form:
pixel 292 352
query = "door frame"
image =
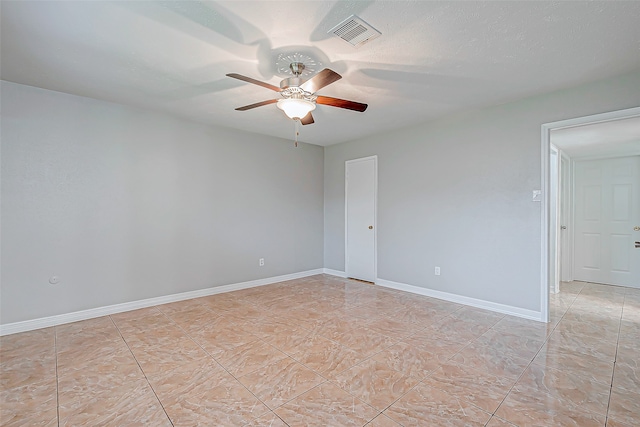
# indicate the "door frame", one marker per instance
pixel 375 214
pixel 545 146
pixel 554 218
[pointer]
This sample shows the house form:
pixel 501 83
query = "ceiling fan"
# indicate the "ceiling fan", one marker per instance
pixel 299 97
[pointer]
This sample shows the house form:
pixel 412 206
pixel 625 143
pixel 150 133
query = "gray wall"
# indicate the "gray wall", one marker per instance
pixel 456 193
pixel 125 204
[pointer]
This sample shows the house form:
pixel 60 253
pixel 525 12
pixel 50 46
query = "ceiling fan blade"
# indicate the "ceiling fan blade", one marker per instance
pixel 320 80
pixel 308 119
pixel 341 103
pixel 257 104
pixel 254 81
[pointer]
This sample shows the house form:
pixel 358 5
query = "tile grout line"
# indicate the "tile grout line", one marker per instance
pixel 141 370
pixel 615 360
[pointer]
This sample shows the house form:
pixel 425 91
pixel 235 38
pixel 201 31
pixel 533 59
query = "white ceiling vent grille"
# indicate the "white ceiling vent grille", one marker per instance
pixel 355 31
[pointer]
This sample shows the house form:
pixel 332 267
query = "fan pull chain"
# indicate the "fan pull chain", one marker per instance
pixel 297 133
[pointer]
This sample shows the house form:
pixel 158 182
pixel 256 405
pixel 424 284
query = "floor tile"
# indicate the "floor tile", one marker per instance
pixel 86 356
pixel 499 422
pixel 539 409
pixel 411 359
pixel 478 316
pixel 34 404
pixel 279 382
pixel 583 392
pixel 428 406
pixel 100 403
pixel 382 421
pixel 22 371
pixel 394 328
pixel 627 377
pixel 589 345
pixel 606 331
pixel 193 317
pixel 290 340
pixel 230 404
pixel 375 383
pixel 365 341
pixel 185 378
pixel 613 423
pixel 217 339
pixel 479 388
pixel 27 344
pixel 522 346
pixel 268 420
pixel 443 347
pixel 624 407
pixel 162 358
pixel 193 305
pixel 249 357
pixel 493 361
pixel 627 354
pixel 221 303
pixel 326 405
pixel 325 356
pixel 575 362
pixel 524 327
pixel 459 330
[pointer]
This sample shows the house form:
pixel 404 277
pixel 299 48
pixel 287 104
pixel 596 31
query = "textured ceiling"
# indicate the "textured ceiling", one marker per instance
pixel 433 58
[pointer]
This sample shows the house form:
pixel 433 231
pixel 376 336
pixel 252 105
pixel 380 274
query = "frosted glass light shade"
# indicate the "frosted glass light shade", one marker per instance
pixel 295 108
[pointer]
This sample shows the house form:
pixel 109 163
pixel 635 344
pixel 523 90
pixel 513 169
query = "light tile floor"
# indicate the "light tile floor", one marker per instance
pixel 325 351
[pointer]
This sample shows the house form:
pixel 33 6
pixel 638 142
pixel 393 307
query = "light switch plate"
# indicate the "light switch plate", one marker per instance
pixel 537 196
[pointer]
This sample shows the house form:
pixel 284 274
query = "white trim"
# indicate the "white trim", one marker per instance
pixel 544 180
pixel 375 213
pixel 334 272
pixel 554 284
pixel 487 305
pixel 544 224
pixel 45 322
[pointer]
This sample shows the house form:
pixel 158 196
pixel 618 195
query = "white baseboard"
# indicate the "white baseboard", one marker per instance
pixel 45 322
pixel 487 305
pixel 334 272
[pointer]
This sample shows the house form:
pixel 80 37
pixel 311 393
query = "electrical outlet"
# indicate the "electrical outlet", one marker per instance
pixel 261 262
pixel 437 271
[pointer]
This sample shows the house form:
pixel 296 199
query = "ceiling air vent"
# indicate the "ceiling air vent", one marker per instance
pixel 355 31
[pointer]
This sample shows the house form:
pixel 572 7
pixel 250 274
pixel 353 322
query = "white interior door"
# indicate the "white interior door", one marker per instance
pixel 360 205
pixel 607 208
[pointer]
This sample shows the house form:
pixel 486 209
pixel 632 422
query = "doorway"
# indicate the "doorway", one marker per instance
pixel 361 187
pixel 548 256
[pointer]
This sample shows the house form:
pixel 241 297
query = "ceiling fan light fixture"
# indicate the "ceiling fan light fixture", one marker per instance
pixel 296 108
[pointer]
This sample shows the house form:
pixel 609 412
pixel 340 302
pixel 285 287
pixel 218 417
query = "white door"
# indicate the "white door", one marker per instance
pixel 607 208
pixel 360 218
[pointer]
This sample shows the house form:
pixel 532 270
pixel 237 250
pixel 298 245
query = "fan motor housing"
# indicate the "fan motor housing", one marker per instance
pixel 291 82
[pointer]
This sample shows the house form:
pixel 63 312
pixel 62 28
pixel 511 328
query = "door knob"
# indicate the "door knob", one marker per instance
pixel 563 227
pixel 636 228
pixel 371 227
